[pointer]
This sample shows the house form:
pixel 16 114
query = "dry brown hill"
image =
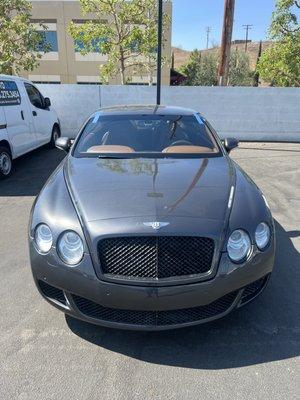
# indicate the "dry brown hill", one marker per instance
pixel 181 56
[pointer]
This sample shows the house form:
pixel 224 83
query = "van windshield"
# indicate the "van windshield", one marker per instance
pixel 146 134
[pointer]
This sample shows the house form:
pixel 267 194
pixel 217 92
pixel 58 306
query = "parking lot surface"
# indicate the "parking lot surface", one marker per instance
pixel 251 354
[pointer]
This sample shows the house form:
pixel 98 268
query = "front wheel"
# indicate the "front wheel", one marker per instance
pixel 6 163
pixel 55 135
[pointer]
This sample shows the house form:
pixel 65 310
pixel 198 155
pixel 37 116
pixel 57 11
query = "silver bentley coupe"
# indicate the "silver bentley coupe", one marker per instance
pixel 148 224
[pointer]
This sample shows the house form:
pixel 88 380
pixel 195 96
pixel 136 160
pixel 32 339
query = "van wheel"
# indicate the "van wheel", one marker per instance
pixel 55 135
pixel 6 163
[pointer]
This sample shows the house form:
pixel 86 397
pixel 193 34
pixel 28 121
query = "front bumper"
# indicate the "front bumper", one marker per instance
pixel 79 292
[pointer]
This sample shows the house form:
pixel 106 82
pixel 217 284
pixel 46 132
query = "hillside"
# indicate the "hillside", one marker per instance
pixel 181 56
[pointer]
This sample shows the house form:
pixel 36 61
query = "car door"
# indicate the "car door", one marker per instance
pixel 19 127
pixel 42 117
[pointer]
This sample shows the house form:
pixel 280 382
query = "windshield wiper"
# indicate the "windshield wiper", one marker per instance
pixel 113 156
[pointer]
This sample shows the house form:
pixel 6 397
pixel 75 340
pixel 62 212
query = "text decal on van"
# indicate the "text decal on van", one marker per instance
pixel 9 94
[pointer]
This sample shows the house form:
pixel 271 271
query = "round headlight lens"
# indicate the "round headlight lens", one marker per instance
pixel 43 238
pixel 239 245
pixel 262 235
pixel 70 248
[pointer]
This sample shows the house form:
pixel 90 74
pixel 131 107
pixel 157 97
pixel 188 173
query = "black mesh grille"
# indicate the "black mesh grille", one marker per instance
pixel 253 289
pixel 154 318
pixel 52 292
pixel 156 257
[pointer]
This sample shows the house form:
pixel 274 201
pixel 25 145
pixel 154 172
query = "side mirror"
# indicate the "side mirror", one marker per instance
pixel 63 143
pixel 230 144
pixel 47 102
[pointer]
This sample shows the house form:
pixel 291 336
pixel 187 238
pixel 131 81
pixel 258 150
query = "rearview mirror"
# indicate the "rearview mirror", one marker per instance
pixel 63 143
pixel 47 102
pixel 230 144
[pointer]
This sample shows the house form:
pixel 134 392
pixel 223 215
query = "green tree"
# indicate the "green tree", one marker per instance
pixel 128 38
pixel 240 73
pixel 202 67
pixel 18 38
pixel 280 64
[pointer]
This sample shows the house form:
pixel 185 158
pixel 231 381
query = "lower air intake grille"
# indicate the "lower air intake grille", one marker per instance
pixel 154 318
pixel 253 289
pixel 52 292
pixel 156 257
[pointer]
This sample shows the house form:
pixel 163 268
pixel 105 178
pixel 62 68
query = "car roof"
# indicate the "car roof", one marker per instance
pixel 145 110
pixel 14 78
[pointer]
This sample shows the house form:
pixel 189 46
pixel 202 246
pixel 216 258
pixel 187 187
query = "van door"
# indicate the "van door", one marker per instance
pixel 42 118
pixel 2 120
pixel 3 132
pixel 19 126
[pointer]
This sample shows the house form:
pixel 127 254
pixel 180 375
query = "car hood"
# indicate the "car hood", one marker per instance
pixel 109 189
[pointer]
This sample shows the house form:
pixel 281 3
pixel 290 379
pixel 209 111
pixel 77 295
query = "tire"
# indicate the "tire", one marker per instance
pixel 6 163
pixel 55 135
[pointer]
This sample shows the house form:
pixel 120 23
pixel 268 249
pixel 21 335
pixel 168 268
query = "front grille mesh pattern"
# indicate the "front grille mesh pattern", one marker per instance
pixel 253 289
pixel 156 257
pixel 52 292
pixel 154 318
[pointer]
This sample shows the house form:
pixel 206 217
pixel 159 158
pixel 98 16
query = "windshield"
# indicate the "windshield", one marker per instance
pixel 138 135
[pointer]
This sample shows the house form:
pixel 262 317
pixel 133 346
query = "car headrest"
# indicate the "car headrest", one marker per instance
pixel 188 149
pixel 110 149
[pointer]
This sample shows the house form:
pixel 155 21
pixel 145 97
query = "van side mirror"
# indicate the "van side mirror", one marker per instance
pixel 47 102
pixel 230 144
pixel 63 143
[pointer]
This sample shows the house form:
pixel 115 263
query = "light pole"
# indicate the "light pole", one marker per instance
pixel 159 50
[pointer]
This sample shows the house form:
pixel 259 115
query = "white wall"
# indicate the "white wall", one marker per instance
pixel 246 113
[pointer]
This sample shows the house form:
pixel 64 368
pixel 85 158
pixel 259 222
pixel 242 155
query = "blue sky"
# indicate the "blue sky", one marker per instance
pixel 191 17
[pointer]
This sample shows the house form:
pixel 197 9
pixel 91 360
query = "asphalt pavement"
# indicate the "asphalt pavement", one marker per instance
pixel 251 354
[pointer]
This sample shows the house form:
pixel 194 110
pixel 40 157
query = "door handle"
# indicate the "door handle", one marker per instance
pixel 34 113
pixel 22 114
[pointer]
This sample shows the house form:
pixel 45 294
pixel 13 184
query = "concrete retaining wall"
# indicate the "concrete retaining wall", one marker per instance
pixel 258 114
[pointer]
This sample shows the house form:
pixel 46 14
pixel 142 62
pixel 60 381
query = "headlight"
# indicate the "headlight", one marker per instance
pixel 70 248
pixel 43 238
pixel 262 235
pixel 238 246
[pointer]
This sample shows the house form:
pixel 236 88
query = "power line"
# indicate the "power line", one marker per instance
pixel 248 28
pixel 208 32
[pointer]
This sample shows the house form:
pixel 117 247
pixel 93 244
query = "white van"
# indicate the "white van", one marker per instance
pixel 27 121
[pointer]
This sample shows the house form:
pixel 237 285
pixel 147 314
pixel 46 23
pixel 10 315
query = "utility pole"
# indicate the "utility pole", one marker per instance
pixel 159 50
pixel 247 28
pixel 226 42
pixel 208 31
pixel 256 76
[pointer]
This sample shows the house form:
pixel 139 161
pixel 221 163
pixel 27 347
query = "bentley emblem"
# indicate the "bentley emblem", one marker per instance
pixel 156 225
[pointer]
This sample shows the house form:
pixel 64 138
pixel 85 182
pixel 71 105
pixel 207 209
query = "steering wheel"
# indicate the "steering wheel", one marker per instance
pixel 181 143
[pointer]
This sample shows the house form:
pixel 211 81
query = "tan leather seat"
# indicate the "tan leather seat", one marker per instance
pixel 110 149
pixel 188 149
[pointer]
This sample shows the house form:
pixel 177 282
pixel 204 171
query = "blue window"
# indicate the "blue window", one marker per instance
pixel 48 41
pixel 93 47
pixel 135 46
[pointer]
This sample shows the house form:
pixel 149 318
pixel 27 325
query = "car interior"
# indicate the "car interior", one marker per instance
pixel 168 134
